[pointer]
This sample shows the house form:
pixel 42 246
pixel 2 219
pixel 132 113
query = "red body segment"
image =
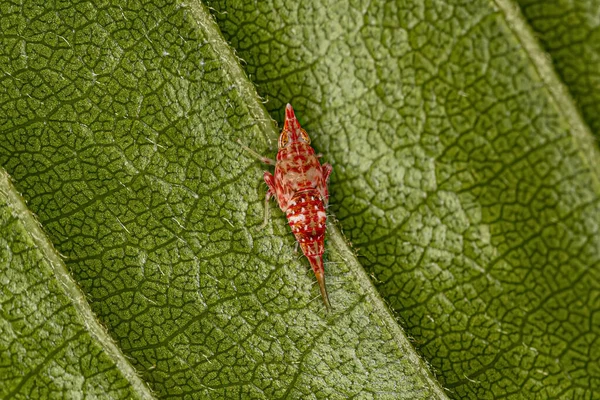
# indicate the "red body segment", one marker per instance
pixel 306 216
pixel 300 186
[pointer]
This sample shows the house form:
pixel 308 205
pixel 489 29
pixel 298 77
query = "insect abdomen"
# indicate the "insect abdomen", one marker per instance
pixel 306 216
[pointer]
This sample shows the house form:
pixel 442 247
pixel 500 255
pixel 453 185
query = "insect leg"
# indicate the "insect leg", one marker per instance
pixel 267 198
pixel 266 160
pixel 270 181
pixel 327 168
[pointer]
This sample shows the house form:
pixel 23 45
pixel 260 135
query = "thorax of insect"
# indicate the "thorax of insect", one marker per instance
pixel 298 169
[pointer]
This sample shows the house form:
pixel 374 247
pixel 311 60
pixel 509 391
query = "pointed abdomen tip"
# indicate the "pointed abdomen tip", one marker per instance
pixel 323 289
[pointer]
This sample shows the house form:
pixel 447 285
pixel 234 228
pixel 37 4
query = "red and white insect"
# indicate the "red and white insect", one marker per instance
pixel 300 186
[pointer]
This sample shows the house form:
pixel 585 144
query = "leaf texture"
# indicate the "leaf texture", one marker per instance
pixel 51 346
pixel 120 131
pixel 460 175
pixel 570 32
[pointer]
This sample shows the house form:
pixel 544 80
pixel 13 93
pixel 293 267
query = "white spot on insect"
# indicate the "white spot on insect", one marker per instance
pixel 316 208
pixel 296 218
pixel 312 197
pixel 321 214
pixel 303 209
pixel 302 200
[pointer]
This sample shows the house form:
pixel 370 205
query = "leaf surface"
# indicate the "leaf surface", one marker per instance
pixel 462 173
pixel 120 131
pixel 570 32
pixel 51 344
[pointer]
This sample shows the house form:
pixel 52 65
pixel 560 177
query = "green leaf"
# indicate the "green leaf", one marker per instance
pixel 462 173
pixel 120 132
pixel 463 176
pixel 51 344
pixel 569 32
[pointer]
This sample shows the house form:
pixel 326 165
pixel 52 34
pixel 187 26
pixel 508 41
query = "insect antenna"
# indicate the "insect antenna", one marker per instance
pixel 257 155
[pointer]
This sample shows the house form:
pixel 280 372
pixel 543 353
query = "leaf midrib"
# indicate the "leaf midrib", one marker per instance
pixel 70 288
pixel 264 125
pixel 560 95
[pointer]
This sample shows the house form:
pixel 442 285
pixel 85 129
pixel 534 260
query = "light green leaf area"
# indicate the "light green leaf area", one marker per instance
pixel 119 127
pixel 461 176
pixel 49 345
pixel 570 32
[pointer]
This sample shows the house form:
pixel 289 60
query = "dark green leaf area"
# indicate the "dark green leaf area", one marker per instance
pixel 456 176
pixel 46 350
pixel 121 134
pixel 570 33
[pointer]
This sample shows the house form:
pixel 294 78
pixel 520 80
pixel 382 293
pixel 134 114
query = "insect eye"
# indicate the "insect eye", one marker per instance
pixel 305 136
pixel 283 139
